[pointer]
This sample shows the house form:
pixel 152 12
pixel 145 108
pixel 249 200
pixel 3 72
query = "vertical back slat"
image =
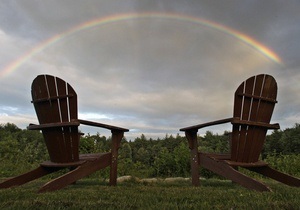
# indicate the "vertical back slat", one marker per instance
pixel 247 102
pixel 252 134
pixel 62 90
pixel 73 114
pixel 53 109
pixel 39 90
pixel 72 103
pixel 64 112
pixel 237 113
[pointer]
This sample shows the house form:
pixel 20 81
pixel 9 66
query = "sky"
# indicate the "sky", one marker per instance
pixel 152 66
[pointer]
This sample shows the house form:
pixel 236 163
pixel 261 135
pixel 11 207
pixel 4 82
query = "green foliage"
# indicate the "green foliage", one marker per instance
pixel 214 143
pixel 283 142
pixel 21 150
pixel 182 160
pixel 164 163
pixel 289 164
pixel 125 151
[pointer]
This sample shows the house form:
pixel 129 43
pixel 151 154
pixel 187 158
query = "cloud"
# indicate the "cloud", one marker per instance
pixel 151 75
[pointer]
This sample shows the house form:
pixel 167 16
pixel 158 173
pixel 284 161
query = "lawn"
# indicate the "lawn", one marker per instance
pixel 95 194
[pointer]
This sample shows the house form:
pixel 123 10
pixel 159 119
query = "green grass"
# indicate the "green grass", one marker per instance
pixel 94 194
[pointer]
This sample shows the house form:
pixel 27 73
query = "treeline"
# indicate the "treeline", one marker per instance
pixel 143 157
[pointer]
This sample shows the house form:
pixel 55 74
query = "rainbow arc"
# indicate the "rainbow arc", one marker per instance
pixel 123 17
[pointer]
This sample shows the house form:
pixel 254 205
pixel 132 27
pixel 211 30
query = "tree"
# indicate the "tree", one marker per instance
pixel 125 151
pixel 182 160
pixel 143 156
pixel 164 164
pixel 283 142
pixel 214 143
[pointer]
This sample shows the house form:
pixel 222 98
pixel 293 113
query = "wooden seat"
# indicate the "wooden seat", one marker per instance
pixel 254 102
pixel 55 103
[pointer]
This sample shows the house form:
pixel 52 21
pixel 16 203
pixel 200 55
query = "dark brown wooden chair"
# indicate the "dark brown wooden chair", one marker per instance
pixel 254 103
pixel 55 103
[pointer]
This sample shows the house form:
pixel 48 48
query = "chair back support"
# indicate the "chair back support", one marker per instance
pixel 254 103
pixel 55 102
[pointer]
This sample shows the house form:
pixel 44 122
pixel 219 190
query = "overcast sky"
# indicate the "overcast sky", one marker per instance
pixel 153 66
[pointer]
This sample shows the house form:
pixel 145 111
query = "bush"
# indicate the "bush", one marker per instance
pixel 285 163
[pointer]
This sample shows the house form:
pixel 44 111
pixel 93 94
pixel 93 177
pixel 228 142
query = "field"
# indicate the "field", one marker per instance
pixel 23 150
pixel 92 193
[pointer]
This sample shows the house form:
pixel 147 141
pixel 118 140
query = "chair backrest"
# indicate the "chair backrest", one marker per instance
pixel 55 102
pixel 254 103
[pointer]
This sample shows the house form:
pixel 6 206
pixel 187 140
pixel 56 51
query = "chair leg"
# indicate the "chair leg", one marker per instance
pixel 193 145
pixel 277 175
pixel 27 177
pixel 229 172
pixel 237 169
pixel 89 167
pixel 116 140
pixel 195 167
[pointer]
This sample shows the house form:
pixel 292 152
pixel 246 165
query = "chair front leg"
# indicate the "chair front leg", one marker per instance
pixel 193 145
pixel 116 140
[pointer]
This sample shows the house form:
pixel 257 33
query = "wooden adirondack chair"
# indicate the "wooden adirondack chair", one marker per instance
pixel 55 102
pixel 254 102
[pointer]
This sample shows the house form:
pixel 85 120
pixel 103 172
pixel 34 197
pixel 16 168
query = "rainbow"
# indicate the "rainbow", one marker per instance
pixel 123 17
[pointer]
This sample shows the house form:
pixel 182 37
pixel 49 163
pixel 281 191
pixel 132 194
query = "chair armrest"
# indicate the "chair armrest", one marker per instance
pixel 196 127
pixel 110 127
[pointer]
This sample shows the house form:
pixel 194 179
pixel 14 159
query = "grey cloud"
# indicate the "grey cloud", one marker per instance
pixel 38 19
pixel 152 75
